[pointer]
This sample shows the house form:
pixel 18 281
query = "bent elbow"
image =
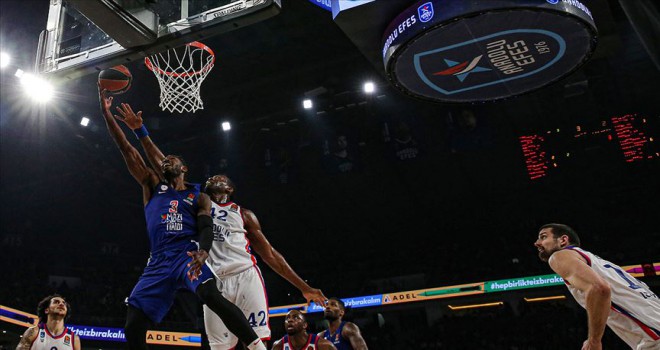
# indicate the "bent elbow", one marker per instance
pixel 602 289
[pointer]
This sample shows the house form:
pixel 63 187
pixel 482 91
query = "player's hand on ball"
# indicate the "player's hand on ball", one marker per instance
pixel 198 260
pixel 132 120
pixel 106 101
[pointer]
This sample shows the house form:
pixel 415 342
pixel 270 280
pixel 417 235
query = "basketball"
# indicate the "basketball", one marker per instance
pixel 116 80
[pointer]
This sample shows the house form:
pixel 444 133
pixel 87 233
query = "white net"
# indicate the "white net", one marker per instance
pixel 180 73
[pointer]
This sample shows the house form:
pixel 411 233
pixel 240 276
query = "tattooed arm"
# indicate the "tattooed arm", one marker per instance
pixel 28 338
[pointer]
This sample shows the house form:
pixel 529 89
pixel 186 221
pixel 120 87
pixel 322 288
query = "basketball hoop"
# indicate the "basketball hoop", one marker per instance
pixel 180 73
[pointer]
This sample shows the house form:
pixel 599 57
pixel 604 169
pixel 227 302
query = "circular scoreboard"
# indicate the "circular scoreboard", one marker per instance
pixel 462 51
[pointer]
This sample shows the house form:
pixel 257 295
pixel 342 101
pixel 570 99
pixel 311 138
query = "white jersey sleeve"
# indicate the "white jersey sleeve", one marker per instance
pixel 230 252
pixel 635 308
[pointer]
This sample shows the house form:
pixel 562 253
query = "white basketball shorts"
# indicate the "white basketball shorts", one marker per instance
pixel 247 291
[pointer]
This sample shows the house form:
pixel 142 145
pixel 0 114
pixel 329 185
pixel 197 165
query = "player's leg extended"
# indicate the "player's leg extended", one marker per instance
pixel 229 313
pixel 220 338
pixel 137 324
pixel 206 289
pixel 245 290
pixel 252 299
pixel 148 303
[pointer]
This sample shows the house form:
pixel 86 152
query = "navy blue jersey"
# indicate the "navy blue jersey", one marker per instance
pixel 337 339
pixel 171 217
pixel 172 226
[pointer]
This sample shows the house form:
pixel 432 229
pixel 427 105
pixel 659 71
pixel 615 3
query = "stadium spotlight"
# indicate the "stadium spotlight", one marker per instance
pixel 369 87
pixel 19 73
pixel 84 121
pixel 226 126
pixel 307 104
pixel 4 59
pixel 37 88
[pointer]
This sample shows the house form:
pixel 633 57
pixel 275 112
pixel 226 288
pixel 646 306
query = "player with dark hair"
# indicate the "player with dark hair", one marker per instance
pixel 296 335
pixel 236 230
pixel 344 335
pixel 177 213
pixel 610 295
pixel 51 333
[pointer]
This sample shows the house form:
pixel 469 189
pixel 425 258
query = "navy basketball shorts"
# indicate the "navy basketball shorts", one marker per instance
pixel 163 276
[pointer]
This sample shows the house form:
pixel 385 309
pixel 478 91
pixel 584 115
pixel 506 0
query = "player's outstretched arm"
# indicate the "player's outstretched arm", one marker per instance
pixel 136 165
pixel 573 269
pixel 276 261
pixel 134 122
pixel 325 344
pixel 352 333
pixel 28 338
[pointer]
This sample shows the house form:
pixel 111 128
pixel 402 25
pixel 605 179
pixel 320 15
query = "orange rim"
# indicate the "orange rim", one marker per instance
pixel 197 44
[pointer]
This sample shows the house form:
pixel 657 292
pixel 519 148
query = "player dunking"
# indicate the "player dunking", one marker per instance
pixel 235 230
pixel 177 213
pixel 610 295
pixel 344 335
pixel 51 333
pixel 296 337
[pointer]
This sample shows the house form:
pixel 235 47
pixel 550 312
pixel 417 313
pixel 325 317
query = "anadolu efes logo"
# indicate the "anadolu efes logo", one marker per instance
pixel 507 56
pixel 461 70
pixel 425 12
pixel 466 51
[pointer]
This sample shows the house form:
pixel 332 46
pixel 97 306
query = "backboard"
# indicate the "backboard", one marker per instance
pixel 85 36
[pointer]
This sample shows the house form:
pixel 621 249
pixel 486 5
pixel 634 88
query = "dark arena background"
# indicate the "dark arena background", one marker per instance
pixel 376 196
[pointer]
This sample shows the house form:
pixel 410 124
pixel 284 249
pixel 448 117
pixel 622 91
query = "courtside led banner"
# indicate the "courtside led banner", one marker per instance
pixel 355 303
pixel 17 317
pixel 474 51
pixel 25 319
pixel 523 283
pixel 98 333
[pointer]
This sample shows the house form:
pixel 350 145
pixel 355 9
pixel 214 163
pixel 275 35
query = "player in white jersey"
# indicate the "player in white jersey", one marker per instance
pixel 296 337
pixel 235 231
pixel 51 333
pixel 610 295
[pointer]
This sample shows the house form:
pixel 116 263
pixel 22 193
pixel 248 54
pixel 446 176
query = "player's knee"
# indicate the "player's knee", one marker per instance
pixel 207 292
pixel 134 330
pixel 136 324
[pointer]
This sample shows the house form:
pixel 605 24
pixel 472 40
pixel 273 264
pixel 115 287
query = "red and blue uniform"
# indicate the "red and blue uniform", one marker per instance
pixel 635 309
pixel 312 343
pixel 46 341
pixel 336 338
